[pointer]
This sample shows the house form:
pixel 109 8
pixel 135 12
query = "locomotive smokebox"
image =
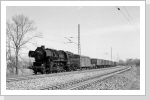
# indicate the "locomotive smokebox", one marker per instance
pixel 31 53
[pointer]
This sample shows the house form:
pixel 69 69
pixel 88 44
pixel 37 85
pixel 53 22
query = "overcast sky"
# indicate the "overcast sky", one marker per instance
pixel 100 27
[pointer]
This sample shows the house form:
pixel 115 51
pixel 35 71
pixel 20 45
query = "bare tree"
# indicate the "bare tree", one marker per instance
pixel 133 62
pixel 121 62
pixel 20 32
pixel 9 56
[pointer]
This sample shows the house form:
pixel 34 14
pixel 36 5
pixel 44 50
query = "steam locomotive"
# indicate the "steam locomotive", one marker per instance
pixel 50 60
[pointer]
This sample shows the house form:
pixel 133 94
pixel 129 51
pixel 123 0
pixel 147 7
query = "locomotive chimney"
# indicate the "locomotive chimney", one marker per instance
pixel 42 46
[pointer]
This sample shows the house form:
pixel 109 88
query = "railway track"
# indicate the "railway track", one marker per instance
pixel 84 82
pixel 12 79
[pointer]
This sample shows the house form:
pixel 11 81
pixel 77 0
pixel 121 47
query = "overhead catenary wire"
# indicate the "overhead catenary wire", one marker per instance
pixel 56 35
pixel 58 42
pixel 51 40
pixel 70 41
pixel 128 19
pixel 107 53
pixel 131 18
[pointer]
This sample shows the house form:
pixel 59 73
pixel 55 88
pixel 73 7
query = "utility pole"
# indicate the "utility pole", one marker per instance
pixel 111 53
pixel 79 45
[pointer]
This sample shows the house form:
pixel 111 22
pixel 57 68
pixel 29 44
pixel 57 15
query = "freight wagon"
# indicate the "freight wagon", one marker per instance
pixel 97 63
pixel 83 62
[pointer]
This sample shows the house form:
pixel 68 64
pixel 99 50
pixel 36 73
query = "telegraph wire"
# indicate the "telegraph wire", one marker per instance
pixel 56 35
pixel 127 18
pixel 51 40
pixel 70 41
pixel 131 17
pixel 58 42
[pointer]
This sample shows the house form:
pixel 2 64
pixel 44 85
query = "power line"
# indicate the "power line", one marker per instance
pixel 70 41
pixel 62 38
pixel 56 35
pixel 51 40
pixel 127 19
pixel 58 42
pixel 66 43
pixel 131 18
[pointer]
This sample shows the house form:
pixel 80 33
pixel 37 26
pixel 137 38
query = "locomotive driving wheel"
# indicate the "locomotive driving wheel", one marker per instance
pixel 74 68
pixel 49 66
pixel 44 68
pixel 43 71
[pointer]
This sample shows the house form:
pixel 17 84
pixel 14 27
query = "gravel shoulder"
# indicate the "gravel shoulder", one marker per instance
pixel 129 80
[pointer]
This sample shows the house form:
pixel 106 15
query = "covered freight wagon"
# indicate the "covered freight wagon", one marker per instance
pixel 98 63
pixel 84 61
pixel 107 63
pixel 111 63
pixel 104 63
pixel 115 64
